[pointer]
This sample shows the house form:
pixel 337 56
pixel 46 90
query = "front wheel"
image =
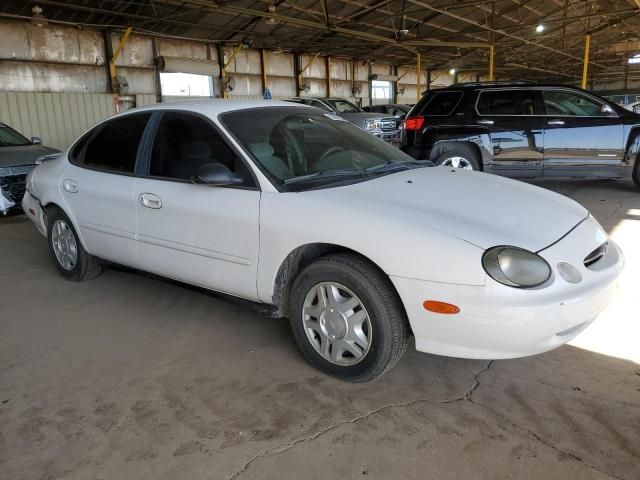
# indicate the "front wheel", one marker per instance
pixel 347 318
pixel 71 259
pixel 636 173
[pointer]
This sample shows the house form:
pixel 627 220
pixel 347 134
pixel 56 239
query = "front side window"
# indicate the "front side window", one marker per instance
pixel 562 102
pixel 342 106
pixel 301 149
pixel 184 142
pixel 10 138
pixel 507 102
pixel 441 103
pixel 114 147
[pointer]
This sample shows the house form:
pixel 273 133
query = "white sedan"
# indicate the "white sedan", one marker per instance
pixel 357 243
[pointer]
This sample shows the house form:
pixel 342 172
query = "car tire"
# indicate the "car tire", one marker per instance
pixel 367 310
pixel 636 173
pixel 71 259
pixel 459 156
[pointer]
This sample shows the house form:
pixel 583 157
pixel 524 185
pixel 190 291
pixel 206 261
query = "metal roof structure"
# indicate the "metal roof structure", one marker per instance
pixel 447 33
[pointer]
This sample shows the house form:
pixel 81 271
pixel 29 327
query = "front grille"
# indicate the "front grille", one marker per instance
pixel 596 255
pixel 13 187
pixel 388 125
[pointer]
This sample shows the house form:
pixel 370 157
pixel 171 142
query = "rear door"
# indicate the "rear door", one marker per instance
pixel 98 187
pixel 583 136
pixel 515 120
pixel 200 234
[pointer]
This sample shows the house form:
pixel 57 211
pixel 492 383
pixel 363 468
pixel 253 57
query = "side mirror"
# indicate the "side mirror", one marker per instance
pixel 36 140
pixel 215 173
pixel 607 110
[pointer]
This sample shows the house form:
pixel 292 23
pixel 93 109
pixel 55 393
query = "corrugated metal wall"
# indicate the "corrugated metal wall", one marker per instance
pixel 54 80
pixel 57 118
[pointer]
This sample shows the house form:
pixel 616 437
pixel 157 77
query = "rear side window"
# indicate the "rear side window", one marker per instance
pixel 114 147
pixel 507 102
pixel 441 104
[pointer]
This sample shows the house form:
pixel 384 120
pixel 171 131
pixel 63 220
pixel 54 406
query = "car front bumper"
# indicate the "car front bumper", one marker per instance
pixel 33 209
pixel 496 321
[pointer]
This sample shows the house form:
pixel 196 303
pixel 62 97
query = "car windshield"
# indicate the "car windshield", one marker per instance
pixel 342 106
pixel 301 148
pixel 10 138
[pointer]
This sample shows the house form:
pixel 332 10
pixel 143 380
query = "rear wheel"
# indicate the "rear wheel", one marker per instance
pixel 347 318
pixel 459 156
pixel 70 258
pixel 636 173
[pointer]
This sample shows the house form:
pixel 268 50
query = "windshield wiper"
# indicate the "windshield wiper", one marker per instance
pixel 332 172
pixel 408 164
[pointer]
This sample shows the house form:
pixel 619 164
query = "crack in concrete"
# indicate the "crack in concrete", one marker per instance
pixel 546 443
pixel 279 449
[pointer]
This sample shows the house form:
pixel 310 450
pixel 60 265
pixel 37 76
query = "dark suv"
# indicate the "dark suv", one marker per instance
pixel 519 129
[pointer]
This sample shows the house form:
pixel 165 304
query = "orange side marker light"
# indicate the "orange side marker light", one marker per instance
pixel 440 307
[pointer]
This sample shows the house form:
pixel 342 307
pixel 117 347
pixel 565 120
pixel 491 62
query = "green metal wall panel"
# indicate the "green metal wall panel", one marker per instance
pixel 58 118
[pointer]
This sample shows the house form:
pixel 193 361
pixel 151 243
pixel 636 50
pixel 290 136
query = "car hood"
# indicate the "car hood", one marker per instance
pixel 359 117
pixel 482 209
pixel 23 155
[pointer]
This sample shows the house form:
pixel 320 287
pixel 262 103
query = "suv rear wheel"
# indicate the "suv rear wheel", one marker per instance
pixel 458 156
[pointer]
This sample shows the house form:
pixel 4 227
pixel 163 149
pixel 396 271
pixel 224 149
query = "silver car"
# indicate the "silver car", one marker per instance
pixel 382 126
pixel 17 158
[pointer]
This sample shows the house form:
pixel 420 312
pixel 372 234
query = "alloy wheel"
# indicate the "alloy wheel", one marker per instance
pixel 337 323
pixel 64 245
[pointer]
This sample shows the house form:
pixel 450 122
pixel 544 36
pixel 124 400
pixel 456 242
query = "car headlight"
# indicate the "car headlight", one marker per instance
pixel 516 267
pixel 371 124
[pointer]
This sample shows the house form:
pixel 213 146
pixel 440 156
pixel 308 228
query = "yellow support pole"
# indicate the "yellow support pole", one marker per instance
pixel 491 62
pixel 585 66
pixel 116 54
pixel 328 76
pixel 419 82
pixel 223 73
pixel 264 70
pixel 305 68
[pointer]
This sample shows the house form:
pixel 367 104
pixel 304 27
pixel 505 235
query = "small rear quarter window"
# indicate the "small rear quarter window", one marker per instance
pixel 441 104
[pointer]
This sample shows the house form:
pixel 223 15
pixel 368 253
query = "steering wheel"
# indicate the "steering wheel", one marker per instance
pixel 330 151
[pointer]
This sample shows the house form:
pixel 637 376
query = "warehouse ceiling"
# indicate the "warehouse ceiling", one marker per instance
pixel 447 33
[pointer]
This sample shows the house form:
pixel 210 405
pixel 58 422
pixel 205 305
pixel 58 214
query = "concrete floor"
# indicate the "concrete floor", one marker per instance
pixel 132 377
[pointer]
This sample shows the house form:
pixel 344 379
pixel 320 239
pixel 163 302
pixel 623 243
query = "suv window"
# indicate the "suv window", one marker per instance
pixel 184 142
pixel 507 102
pixel 562 102
pixel 114 147
pixel 441 104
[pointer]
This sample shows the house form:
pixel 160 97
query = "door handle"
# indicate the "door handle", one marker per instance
pixel 70 186
pixel 485 122
pixel 150 200
pixel 555 122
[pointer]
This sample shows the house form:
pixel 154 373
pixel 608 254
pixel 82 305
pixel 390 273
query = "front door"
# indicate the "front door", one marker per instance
pixel 514 119
pixel 199 234
pixel 582 137
pixel 98 186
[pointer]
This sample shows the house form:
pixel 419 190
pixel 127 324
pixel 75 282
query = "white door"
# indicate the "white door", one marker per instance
pixel 99 188
pixel 200 234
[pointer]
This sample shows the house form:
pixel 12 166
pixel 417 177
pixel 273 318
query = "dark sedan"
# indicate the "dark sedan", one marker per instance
pixel 18 157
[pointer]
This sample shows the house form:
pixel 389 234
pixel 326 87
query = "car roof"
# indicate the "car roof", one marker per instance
pixel 213 107
pixel 503 84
